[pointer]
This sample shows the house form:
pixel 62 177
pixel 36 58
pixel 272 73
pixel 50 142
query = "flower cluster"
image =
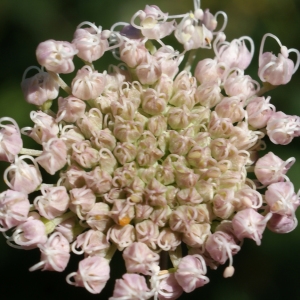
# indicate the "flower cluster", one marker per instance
pixel 147 158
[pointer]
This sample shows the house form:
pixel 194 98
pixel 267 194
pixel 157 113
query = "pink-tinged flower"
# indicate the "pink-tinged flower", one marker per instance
pixel 149 71
pixel 169 61
pixel 122 236
pixel 191 272
pixel 131 287
pixel 122 212
pixel 168 240
pixel 147 232
pixel 282 223
pixel 282 128
pixel 133 52
pixel 98 217
pixel 70 109
pixel 73 177
pixel 23 177
pixel 69 228
pixel 56 56
pixel 209 70
pixel 53 202
pixel 248 223
pixel 182 218
pixel 140 259
pixel 222 246
pixel 166 286
pixel 86 156
pixel 39 88
pixel 10 140
pixel 92 274
pixel 87 84
pixel 240 85
pixel 270 168
pixel 54 155
pixel 44 129
pixel 30 234
pixel 104 139
pixel 92 243
pixel 232 108
pixel 153 103
pixel 259 111
pixel 14 209
pixel 82 201
pixel 71 134
pixel 55 254
pixel 90 42
pixel 99 181
pixel 282 198
pixel 153 23
pixel 197 235
pixel 273 69
pixel 208 94
pixel 234 54
pixel 191 35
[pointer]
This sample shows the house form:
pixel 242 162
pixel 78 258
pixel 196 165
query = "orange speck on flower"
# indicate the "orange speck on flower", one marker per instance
pixel 124 221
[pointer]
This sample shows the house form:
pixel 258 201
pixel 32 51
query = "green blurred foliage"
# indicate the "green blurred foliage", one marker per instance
pixel 266 272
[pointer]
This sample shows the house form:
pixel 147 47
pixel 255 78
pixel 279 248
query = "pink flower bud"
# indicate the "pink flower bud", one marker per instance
pixel 98 181
pixel 92 243
pixel 70 109
pixel 125 152
pixel 190 272
pixel 124 108
pixel 89 42
pixel 98 217
pixel 209 70
pixel 44 129
pixel 168 240
pixel 168 288
pixel 133 52
pixel 282 198
pixel 29 234
pixel 197 235
pixel 54 155
pixel 10 140
pixel 273 69
pixel 39 88
pixel 14 208
pixel 270 168
pixel 132 286
pixel 182 217
pixel 122 212
pixel 140 259
pixel 82 201
pixel 92 274
pixel 87 84
pixel 238 84
pixel 231 108
pixel 250 224
pixel 86 156
pixel 104 139
pixel 56 56
pixel 148 72
pixel 169 60
pixel 208 94
pixel 53 202
pixel 24 178
pixel 259 111
pixel 147 232
pixel 71 134
pixel 54 254
pixel 282 223
pixel 127 131
pixel 234 54
pixel 282 128
pixel 122 236
pixel 153 103
pixel 73 177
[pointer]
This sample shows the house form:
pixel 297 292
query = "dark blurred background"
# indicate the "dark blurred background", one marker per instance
pixel 270 271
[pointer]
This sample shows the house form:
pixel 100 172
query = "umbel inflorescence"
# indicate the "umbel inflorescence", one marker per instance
pixel 150 159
